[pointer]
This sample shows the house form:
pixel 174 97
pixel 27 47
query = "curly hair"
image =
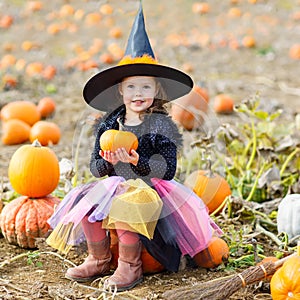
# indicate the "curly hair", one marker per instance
pixel 159 102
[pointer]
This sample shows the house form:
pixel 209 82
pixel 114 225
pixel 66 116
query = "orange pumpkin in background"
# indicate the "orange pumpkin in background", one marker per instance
pixel 113 139
pixel 285 283
pixel 188 110
pixel 24 219
pixel 15 132
pixel 211 187
pixel 23 110
pixel 46 106
pixel 33 170
pixel 46 132
pixel 216 253
pixel 223 104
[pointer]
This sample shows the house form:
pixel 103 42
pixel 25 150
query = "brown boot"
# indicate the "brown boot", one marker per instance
pixel 129 272
pixel 95 265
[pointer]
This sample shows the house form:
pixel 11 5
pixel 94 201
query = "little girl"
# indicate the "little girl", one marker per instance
pixel 136 195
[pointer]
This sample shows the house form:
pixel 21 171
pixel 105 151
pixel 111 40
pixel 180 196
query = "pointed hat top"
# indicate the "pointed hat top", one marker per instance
pixel 139 60
pixel 138 43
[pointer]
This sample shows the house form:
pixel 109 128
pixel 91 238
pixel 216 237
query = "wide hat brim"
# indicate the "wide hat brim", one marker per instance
pixel 100 92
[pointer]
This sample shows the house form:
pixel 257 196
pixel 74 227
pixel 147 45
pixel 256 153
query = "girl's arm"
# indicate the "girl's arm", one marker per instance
pixel 99 167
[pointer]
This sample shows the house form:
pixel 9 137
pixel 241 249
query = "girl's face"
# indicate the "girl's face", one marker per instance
pixel 138 92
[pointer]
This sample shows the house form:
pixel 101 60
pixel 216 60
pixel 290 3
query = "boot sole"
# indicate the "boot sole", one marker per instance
pixel 128 287
pixel 86 279
pixel 79 279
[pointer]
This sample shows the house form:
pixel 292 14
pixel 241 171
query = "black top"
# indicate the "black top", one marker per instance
pixel 158 139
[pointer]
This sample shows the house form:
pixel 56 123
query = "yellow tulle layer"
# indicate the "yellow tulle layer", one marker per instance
pixel 137 209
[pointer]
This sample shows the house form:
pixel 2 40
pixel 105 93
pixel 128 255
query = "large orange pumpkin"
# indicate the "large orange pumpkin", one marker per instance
pixel 285 283
pixel 24 219
pixel 211 257
pixel 33 170
pixel 150 264
pixel 113 139
pixel 187 110
pixel 211 187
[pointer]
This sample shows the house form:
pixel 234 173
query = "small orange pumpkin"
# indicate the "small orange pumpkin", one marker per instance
pixel 294 51
pixel 285 283
pixel 15 132
pixel 149 263
pixel 24 219
pixel 23 110
pixel 211 187
pixel 216 253
pixel 34 68
pixel 223 104
pixel 46 106
pixel 46 132
pixel 33 170
pixel 113 139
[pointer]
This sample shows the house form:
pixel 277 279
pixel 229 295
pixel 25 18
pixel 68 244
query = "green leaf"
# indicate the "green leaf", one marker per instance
pixel 261 115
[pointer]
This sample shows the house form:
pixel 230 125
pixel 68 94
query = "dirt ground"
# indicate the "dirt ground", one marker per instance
pixel 209 46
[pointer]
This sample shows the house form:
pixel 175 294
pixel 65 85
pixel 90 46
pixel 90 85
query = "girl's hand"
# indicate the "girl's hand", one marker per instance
pixel 123 156
pixel 109 156
pixel 120 155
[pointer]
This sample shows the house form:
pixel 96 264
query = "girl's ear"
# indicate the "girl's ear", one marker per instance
pixel 120 89
pixel 158 88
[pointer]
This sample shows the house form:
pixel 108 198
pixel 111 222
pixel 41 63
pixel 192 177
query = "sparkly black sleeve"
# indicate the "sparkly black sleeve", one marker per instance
pixel 99 167
pixel 161 162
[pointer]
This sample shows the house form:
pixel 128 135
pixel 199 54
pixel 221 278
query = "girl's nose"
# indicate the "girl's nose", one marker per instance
pixel 138 92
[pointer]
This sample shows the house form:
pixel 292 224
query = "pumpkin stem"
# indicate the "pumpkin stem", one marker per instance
pixel 36 143
pixel 121 126
pixel 209 173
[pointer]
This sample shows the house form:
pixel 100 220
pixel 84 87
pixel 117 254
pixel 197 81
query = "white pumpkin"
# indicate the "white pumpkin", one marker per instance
pixel 288 217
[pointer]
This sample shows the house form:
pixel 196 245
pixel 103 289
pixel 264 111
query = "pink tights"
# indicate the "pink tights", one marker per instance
pixel 95 233
pixel 127 237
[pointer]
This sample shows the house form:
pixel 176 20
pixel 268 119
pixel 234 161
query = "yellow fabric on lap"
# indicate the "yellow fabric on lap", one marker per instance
pixel 137 209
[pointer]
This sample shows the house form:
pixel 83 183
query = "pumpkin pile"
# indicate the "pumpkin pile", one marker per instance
pixel 34 174
pixel 22 121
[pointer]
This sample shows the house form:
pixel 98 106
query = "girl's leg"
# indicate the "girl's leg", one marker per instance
pixel 127 237
pixel 98 261
pixel 129 271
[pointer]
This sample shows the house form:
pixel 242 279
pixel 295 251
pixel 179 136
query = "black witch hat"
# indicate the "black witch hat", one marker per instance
pixel 139 60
